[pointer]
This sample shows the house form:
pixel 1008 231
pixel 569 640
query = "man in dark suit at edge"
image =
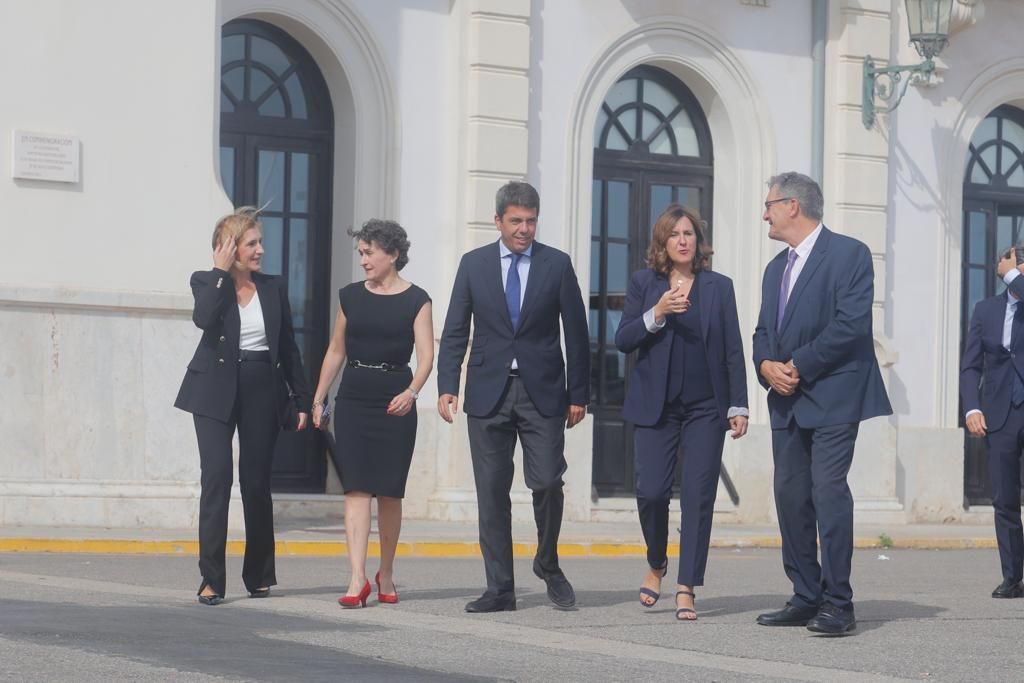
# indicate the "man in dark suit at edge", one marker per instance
pixel 515 291
pixel 992 392
pixel 814 352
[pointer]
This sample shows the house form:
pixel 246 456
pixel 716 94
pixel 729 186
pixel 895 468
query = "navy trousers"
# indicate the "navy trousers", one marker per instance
pixel 698 427
pixel 812 498
pixel 1004 452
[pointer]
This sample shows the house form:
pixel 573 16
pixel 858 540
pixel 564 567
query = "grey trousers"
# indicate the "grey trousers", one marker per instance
pixel 492 442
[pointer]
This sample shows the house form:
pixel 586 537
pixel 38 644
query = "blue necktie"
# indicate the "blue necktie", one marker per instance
pixel 512 289
pixel 784 289
pixel 1017 329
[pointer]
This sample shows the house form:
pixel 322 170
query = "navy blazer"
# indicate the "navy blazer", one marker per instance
pixel 987 368
pixel 720 332
pixel 211 380
pixel 552 294
pixel 827 333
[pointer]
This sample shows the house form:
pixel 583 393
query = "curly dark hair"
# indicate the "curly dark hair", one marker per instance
pixel 657 255
pixel 388 236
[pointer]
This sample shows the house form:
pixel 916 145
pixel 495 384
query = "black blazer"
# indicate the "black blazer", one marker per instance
pixel 720 331
pixel 211 380
pixel 827 333
pixel 552 294
pixel 987 368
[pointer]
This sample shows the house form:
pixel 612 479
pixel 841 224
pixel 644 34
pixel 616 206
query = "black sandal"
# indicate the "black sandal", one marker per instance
pixel 211 600
pixel 644 591
pixel 685 610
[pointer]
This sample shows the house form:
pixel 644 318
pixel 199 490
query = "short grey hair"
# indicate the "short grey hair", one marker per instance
pixel 389 236
pixel 803 189
pixel 516 193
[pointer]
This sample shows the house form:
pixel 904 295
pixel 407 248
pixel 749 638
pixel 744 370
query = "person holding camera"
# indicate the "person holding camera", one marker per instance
pixel 245 374
pixel 380 320
pixel 992 392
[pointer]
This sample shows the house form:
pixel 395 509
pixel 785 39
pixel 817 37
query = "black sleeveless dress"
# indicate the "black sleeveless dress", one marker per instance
pixel 374 449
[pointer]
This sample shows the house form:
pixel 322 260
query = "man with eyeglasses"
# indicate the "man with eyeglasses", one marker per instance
pixel 814 353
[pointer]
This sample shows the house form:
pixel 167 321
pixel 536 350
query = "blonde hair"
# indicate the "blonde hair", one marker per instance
pixel 234 225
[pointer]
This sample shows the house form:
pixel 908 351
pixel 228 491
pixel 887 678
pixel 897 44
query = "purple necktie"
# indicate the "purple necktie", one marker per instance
pixel 784 288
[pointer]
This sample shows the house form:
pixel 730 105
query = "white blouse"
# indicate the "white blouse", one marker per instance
pixel 253 335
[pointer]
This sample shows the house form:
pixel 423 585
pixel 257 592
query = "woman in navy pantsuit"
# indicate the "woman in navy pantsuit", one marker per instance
pixel 688 386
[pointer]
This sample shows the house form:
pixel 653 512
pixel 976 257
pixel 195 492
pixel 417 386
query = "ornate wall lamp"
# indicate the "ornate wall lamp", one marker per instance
pixel 928 21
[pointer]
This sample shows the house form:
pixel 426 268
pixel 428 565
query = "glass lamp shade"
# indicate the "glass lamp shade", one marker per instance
pixel 928 21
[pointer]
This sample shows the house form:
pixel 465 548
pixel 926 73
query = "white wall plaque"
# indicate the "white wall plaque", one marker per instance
pixel 47 156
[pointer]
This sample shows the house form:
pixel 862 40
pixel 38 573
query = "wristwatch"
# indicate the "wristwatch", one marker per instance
pixel 415 394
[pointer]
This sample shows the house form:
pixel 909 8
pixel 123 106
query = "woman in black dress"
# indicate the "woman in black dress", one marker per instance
pixel 379 322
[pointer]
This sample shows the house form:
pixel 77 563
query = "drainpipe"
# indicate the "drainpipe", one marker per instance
pixel 819 36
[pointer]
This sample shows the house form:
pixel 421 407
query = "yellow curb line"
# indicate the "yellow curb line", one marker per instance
pixel 437 548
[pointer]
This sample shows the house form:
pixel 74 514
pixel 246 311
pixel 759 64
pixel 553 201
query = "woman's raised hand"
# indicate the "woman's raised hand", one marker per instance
pixel 224 254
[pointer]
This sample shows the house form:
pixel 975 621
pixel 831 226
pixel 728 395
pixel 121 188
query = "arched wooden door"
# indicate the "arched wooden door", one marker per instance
pixel 276 144
pixel 993 221
pixel 652 146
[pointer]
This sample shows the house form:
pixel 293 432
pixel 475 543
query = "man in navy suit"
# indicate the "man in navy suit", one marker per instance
pixel 992 391
pixel 516 291
pixel 814 352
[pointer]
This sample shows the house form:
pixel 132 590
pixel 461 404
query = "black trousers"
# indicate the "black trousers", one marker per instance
pixel 1004 453
pixel 492 442
pixel 698 427
pixel 812 498
pixel 256 419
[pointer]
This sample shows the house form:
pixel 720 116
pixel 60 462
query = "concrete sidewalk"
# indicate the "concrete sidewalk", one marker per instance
pixel 425 538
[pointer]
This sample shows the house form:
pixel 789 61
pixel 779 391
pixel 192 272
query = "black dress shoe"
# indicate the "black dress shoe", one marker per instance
pixel 790 615
pixel 560 590
pixel 493 602
pixel 833 621
pixel 260 593
pixel 1009 589
pixel 211 599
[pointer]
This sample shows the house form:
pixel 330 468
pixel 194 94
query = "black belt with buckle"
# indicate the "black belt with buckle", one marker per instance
pixel 261 356
pixel 384 366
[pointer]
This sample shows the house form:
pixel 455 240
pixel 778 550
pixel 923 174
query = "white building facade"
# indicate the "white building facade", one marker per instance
pixel 335 111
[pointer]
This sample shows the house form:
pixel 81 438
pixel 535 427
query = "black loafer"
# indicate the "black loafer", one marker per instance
pixel 260 593
pixel 832 620
pixel 493 602
pixel 560 590
pixel 1009 589
pixel 790 615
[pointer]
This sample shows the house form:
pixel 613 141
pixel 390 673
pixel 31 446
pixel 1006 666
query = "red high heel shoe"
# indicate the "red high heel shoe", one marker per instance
pixel 387 598
pixel 350 601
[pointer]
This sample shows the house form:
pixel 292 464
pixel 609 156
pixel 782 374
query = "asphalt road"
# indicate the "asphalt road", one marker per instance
pixel 923 615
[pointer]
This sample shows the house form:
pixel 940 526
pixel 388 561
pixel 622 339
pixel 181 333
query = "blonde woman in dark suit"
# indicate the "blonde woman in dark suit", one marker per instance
pixel 246 374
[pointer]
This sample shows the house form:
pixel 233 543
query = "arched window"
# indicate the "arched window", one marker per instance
pixel 276 145
pixel 993 221
pixel 652 146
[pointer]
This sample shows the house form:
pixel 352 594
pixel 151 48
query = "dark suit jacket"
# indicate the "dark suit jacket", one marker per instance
pixel 827 333
pixel 211 380
pixel 987 368
pixel 720 331
pixel 552 294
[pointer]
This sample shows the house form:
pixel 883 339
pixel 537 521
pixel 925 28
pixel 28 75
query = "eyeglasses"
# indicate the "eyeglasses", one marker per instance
pixel 768 204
